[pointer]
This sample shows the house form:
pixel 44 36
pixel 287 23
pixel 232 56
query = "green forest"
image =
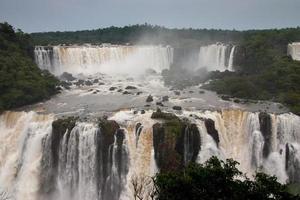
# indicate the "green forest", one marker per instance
pixel 217 179
pixel 21 81
pixel 145 33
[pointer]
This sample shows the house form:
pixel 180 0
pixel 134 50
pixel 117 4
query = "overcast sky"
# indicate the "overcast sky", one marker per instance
pixel 52 15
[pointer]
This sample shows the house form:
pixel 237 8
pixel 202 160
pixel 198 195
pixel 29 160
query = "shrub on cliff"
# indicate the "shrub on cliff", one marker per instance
pixel 21 81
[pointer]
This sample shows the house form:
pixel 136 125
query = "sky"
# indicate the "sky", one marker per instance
pixel 62 15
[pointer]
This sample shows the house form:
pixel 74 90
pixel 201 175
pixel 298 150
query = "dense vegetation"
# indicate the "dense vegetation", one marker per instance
pixel 135 34
pixel 264 71
pixel 21 81
pixel 218 180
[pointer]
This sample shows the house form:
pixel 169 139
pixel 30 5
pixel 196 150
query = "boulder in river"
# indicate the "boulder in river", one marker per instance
pixel 165 98
pixel 112 88
pixel 177 108
pixel 66 77
pixel 149 99
pixel 130 87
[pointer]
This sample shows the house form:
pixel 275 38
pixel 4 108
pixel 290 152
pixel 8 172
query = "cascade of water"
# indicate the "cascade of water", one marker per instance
pixel 294 50
pixel 111 59
pixel 38 163
pixel 215 57
pixel 231 56
pixel 21 137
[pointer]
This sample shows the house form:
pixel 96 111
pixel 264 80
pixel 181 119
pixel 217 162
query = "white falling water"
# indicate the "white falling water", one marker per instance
pixel 294 50
pixel 21 137
pixel 82 149
pixel 242 140
pixel 231 56
pixel 26 138
pixel 216 57
pixel 103 59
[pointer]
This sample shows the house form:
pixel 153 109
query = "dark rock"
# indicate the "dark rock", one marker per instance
pixel 88 83
pixel 147 105
pixel 96 81
pixel 101 83
pixel 266 130
pixel 65 84
pixel 211 130
pixel 236 101
pixel 79 82
pixel 50 152
pixel 90 90
pixel 191 92
pixel 159 104
pixel 112 88
pixel 176 92
pixel 225 98
pixel 171 150
pixel 135 112
pixel 138 130
pixel 138 93
pixel 177 108
pixel 111 134
pixel 149 99
pixel 201 92
pixel 130 87
pixel 163 115
pixel 143 112
pixel 120 90
pixel 126 92
pixel 120 135
pixel 292 163
pixel 67 77
pixel 165 98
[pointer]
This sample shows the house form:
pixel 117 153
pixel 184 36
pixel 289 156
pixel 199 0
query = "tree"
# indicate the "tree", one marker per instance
pixel 218 180
pixel 142 187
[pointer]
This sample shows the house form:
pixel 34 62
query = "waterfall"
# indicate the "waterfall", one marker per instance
pixel 294 50
pixel 21 136
pixel 230 62
pixel 103 59
pixel 40 160
pixel 217 57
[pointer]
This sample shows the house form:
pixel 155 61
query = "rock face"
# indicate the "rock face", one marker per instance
pixel 50 160
pixel 292 163
pixel 176 142
pixel 211 130
pixel 266 130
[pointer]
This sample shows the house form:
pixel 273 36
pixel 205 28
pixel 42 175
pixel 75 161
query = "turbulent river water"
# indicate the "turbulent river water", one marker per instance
pixel 42 158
